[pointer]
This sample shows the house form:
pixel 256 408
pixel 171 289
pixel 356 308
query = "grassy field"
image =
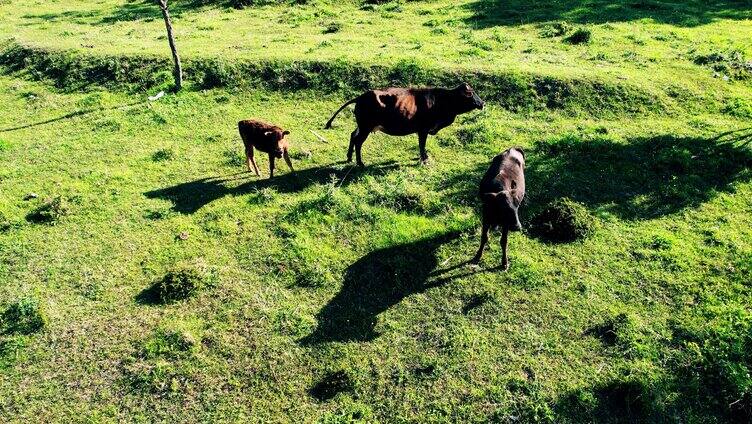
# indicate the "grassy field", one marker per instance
pixel 337 294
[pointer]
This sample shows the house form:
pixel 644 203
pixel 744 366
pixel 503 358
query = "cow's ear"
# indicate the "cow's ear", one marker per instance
pixel 285 132
pixel 466 87
pixel 522 152
pixel 268 133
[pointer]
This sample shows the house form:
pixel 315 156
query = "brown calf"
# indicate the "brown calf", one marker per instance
pixel 266 138
pixel 403 111
pixel 501 191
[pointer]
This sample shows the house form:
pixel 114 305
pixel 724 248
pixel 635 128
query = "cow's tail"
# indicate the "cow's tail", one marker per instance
pixel 329 123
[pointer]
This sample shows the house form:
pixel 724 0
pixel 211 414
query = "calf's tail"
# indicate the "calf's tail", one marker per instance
pixel 329 123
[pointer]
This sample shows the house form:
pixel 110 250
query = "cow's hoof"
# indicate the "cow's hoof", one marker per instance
pixel 425 161
pixel 474 261
pixel 505 267
pixel 361 165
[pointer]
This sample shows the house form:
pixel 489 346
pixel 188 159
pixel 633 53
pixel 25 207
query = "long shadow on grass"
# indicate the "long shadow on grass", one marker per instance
pixel 375 283
pixel 81 112
pixel 490 13
pixel 191 196
pixel 643 178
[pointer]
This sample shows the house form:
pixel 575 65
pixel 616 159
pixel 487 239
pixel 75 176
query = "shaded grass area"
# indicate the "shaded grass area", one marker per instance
pixel 344 294
pixel 680 13
pixel 641 178
pixel 634 179
pixel 515 91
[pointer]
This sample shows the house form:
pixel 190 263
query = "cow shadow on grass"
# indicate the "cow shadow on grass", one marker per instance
pixel 642 178
pixel 190 196
pixel 375 283
pixel 490 13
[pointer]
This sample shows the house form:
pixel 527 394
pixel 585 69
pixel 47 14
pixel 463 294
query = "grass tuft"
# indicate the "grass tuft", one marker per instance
pixel 581 36
pixel 179 283
pixel 162 155
pixel 51 211
pixel 332 27
pixel 169 343
pixel 554 29
pixel 563 220
pixel 25 316
pixel 6 223
pixel 733 64
pixel 332 384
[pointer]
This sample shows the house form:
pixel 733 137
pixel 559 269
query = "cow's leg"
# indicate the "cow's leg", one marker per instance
pixel 504 240
pixel 359 140
pixel 351 147
pixel 287 159
pixel 271 165
pixel 422 137
pixel 483 241
pixel 251 160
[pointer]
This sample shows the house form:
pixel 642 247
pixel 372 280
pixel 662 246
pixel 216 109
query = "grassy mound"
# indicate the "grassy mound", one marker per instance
pixel 731 64
pixel 513 90
pixel 563 220
pixel 5 222
pixel 180 283
pixel 50 211
pixel 581 36
pixel 332 384
pixel 26 316
pixel 169 343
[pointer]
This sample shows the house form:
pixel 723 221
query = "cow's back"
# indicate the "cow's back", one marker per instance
pixel 254 132
pixel 395 111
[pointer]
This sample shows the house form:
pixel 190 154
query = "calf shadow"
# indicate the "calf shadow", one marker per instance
pixel 190 196
pixel 375 283
pixel 642 178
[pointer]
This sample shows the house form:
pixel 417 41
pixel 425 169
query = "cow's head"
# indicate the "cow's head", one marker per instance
pixel 278 136
pixel 507 201
pixel 468 98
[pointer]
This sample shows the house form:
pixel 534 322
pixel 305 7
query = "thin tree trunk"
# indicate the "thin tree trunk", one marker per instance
pixel 178 72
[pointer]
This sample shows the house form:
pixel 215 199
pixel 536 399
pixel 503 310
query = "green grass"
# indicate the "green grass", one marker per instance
pixel 338 294
pixel 343 278
pixel 645 43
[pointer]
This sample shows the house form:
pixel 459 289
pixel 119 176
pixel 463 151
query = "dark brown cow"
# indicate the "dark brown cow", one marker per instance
pixel 501 191
pixel 266 138
pixel 403 111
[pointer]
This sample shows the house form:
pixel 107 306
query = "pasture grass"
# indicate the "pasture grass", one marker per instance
pixel 340 293
pixel 593 45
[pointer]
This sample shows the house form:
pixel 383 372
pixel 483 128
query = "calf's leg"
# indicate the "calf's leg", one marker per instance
pixel 483 241
pixel 287 159
pixel 250 160
pixel 504 239
pixel 271 165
